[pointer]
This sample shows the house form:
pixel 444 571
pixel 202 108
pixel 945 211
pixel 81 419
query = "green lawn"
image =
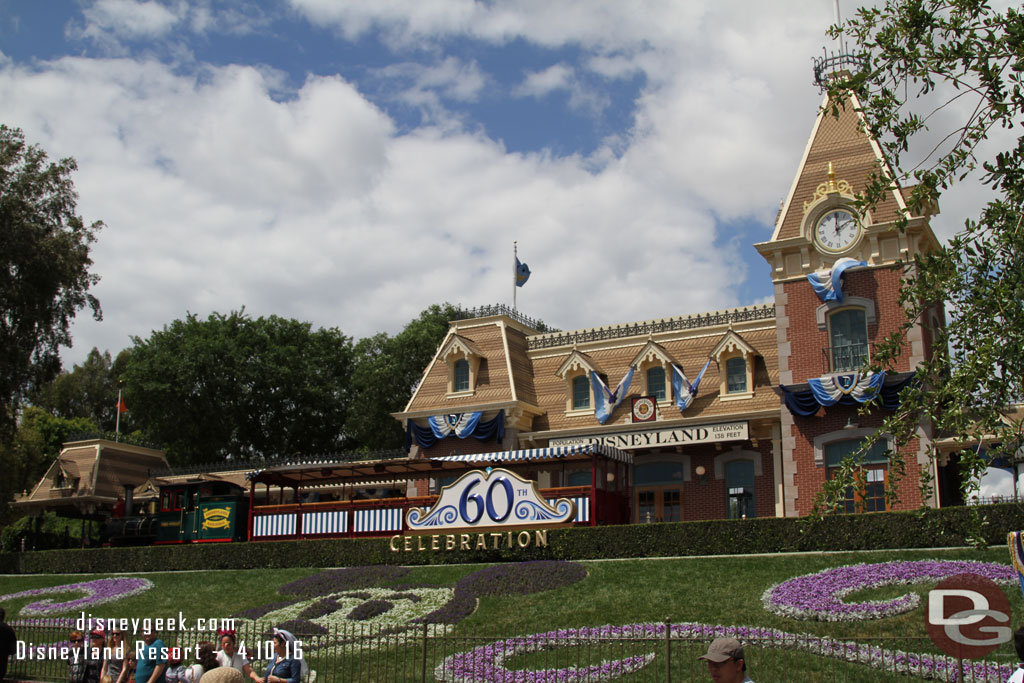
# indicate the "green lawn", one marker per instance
pixel 724 590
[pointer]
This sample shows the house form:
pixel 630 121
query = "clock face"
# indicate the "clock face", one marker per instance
pixel 836 230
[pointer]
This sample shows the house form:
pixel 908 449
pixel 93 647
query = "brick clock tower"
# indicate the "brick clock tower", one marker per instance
pixel 837 273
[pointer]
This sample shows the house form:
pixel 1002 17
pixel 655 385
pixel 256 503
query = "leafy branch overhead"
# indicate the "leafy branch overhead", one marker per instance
pixel 941 91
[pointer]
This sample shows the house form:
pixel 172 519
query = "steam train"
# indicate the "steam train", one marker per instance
pixel 202 511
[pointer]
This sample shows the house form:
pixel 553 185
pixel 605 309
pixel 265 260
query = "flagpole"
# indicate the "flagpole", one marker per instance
pixel 117 420
pixel 515 272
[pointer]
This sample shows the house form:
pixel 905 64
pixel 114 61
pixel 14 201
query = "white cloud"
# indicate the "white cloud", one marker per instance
pixel 541 83
pixel 222 188
pixel 108 21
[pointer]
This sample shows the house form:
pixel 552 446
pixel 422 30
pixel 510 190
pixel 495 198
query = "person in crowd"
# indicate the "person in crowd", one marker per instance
pixel 114 666
pixel 152 660
pixel 130 663
pixel 223 674
pixel 8 643
pixel 283 667
pixel 206 660
pixel 76 659
pixel 94 655
pixel 175 671
pixel 1018 645
pixel 230 656
pixel 725 660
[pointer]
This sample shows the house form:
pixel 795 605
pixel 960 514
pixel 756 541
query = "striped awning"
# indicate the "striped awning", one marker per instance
pixel 534 454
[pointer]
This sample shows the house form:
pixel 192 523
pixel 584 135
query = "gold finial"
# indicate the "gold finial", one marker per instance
pixel 830 186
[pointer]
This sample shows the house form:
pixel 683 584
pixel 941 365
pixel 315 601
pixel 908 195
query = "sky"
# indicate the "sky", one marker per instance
pixel 351 163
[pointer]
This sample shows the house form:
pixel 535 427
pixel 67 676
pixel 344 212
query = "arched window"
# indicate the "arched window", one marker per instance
pixel 460 375
pixel 740 502
pixel 848 337
pixel 656 383
pixel 868 492
pixel 580 392
pixel 736 375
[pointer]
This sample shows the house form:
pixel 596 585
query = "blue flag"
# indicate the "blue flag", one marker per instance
pixel 522 273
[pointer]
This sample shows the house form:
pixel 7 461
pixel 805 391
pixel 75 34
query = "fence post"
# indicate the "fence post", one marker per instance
pixel 423 670
pixel 668 651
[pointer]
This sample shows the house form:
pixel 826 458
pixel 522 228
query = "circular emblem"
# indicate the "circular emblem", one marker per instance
pixel 643 409
pixel 968 616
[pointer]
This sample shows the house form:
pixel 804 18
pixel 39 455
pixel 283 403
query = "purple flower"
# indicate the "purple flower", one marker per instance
pixel 96 592
pixel 820 596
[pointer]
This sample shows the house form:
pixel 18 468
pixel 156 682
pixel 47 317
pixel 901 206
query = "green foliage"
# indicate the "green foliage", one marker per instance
pixel 233 386
pixel 932 528
pixel 960 62
pixel 54 532
pixel 36 444
pixel 385 373
pixel 88 391
pixel 44 276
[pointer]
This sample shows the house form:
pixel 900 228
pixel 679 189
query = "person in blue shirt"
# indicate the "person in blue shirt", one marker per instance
pixel 152 659
pixel 283 667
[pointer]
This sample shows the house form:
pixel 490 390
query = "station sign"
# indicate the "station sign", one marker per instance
pixel 491 499
pixel 709 433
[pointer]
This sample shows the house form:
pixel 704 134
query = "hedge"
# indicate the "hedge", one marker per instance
pixel 946 527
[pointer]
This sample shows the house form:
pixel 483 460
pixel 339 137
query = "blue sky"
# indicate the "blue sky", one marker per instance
pixel 351 163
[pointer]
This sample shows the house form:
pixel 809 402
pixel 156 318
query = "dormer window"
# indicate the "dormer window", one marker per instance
pixel 736 375
pixel 735 358
pixel 464 360
pixel 656 386
pixel 460 375
pixel 580 392
pixel 575 371
pixel 655 371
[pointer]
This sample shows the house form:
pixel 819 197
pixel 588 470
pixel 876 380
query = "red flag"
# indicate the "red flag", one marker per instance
pixel 121 407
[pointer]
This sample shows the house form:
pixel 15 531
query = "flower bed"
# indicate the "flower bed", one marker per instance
pixel 820 596
pixel 96 592
pixel 486 664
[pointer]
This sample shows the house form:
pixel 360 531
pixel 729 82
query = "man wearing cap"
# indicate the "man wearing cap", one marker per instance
pixel 93 654
pixel 725 661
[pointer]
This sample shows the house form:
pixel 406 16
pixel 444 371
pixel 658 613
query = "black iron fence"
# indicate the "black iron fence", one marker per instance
pixel 418 653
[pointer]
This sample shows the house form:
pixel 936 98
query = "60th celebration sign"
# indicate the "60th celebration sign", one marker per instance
pixel 492 498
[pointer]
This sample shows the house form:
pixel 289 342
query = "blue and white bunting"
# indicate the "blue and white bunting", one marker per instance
pixel 462 424
pixel 828 284
pixel 605 400
pixel 681 387
pixel 861 388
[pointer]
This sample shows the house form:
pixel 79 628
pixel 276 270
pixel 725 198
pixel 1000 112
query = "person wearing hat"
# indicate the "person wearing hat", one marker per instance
pixel 94 655
pixel 725 661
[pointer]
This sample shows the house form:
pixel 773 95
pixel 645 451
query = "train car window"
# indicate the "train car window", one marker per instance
pixel 165 501
pixel 179 499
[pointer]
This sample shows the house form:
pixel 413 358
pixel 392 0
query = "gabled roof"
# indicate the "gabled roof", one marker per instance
pixel 456 343
pixel 575 361
pixel 855 156
pixel 731 342
pixel 652 350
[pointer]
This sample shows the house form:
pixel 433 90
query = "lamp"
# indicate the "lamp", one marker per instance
pixel 611 477
pixel 702 472
pixel 850 424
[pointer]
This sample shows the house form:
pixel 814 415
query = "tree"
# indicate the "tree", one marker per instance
pixel 35 445
pixel 89 390
pixel 385 373
pixel 235 387
pixel 45 278
pixel 956 60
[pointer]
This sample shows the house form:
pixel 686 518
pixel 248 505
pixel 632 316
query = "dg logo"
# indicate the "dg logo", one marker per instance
pixel 968 616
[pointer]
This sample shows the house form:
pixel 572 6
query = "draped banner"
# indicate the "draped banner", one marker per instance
pixel 681 387
pixel 605 400
pixel 462 425
pixel 1017 554
pixel 862 388
pixel 846 392
pixel 828 284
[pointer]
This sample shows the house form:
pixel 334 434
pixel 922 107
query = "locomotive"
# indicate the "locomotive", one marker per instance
pixel 201 511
